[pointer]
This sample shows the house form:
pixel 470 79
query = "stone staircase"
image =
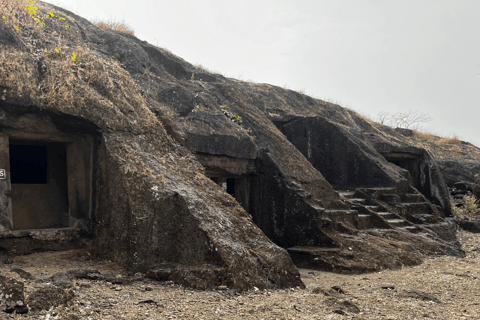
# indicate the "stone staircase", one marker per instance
pixel 370 211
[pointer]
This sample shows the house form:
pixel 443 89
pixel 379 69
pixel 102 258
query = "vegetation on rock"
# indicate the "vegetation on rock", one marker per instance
pixel 470 208
pixel 121 26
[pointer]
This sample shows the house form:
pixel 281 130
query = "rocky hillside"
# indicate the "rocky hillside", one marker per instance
pixel 164 130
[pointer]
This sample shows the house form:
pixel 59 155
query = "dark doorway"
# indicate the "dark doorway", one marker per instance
pixel 231 186
pixel 28 164
pixel 409 162
pixel 39 184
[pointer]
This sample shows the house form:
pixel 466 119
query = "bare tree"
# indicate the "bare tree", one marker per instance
pixel 383 117
pixel 408 119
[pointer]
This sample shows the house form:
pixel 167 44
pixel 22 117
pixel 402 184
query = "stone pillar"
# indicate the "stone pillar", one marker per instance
pixel 242 192
pixel 6 220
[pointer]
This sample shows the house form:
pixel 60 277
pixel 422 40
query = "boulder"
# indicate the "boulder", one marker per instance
pixel 12 295
pixel 466 186
pixel 469 225
pixel 49 296
pixel 455 170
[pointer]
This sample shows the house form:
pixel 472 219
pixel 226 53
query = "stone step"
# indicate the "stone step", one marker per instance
pixel 339 213
pixel 411 198
pixel 387 215
pixel 377 192
pixel 308 257
pixel 312 250
pixel 374 208
pixel 364 221
pixel 408 208
pixel 347 194
pixel 348 216
pixel 411 229
pixel 397 223
pixel 391 199
pixel 359 200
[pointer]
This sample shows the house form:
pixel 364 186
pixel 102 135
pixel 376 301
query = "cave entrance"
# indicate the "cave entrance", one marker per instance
pixel 236 186
pixel 409 162
pixel 46 181
pixel 231 174
pixel 38 173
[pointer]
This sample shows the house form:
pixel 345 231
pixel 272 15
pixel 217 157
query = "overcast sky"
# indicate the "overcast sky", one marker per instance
pixel 368 55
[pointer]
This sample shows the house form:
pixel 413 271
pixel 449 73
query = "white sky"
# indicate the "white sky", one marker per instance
pixel 368 55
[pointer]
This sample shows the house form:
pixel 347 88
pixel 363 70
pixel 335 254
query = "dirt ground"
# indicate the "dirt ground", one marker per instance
pixel 440 288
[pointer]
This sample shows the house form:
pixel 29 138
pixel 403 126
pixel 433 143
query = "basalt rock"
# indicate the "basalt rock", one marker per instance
pixel 476 187
pixel 168 165
pixel 12 296
pixel 49 296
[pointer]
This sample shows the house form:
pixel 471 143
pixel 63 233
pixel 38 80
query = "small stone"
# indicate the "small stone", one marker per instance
pixel 338 289
pixel 389 287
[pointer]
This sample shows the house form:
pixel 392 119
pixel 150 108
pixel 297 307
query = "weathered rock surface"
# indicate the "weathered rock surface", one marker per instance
pixel 457 162
pixel 152 203
pixel 159 134
pixel 476 187
pixel 49 296
pixel 11 295
pixel 458 171
pixel 470 225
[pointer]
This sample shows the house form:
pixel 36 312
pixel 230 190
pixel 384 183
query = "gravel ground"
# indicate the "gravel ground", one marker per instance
pixel 440 288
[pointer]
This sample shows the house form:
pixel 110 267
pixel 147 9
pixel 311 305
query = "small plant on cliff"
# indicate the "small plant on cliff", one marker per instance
pixel 238 119
pixel 471 207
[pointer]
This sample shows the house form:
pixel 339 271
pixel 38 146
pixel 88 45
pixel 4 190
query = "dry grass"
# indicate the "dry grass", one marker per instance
pixel 450 140
pixel 56 70
pixel 120 26
pixel 363 116
pixel 24 15
pixel 427 136
pixel 201 67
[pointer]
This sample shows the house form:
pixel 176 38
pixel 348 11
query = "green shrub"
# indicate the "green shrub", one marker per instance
pixel 470 207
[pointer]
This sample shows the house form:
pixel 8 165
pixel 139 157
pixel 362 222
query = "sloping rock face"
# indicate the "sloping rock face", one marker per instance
pixel 457 162
pixel 163 131
pixel 476 188
pixel 151 202
pixel 350 151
